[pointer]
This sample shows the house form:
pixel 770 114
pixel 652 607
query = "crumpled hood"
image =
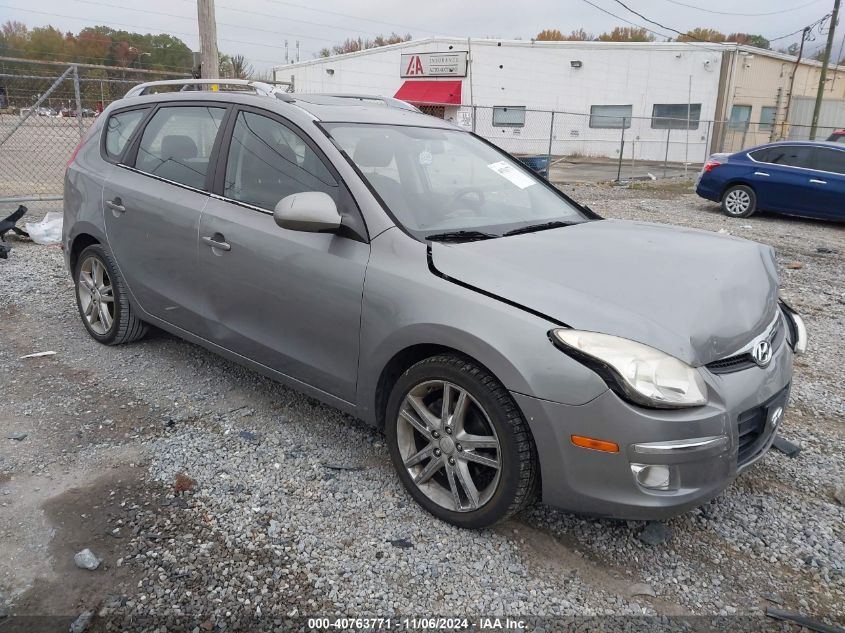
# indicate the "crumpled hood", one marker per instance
pixel 696 295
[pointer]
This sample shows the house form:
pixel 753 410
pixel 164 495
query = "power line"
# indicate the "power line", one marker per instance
pixel 669 28
pixel 648 30
pixel 135 26
pixel 821 20
pixel 618 17
pixel 353 17
pixel 276 16
pixel 692 6
pixel 193 19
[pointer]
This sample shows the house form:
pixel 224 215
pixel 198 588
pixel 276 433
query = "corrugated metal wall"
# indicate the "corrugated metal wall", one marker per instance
pixel 831 116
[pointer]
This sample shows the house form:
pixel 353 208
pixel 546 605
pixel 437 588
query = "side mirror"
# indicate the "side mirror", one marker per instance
pixel 310 211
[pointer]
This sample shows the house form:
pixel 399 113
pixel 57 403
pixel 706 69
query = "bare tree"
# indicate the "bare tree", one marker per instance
pixel 241 69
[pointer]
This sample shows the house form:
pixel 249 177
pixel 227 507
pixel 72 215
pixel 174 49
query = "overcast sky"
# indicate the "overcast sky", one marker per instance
pixel 259 28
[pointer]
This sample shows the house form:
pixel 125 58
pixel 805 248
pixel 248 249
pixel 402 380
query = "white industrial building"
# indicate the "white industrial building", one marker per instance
pixel 665 95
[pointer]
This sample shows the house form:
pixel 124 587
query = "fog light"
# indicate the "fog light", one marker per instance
pixel 653 476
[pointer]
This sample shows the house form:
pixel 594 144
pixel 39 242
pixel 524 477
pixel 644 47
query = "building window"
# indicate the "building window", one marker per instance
pixel 674 116
pixel 509 116
pixel 610 116
pixel 740 117
pixel 767 117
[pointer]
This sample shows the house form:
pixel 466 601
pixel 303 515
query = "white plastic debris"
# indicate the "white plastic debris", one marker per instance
pixel 48 231
pixel 39 354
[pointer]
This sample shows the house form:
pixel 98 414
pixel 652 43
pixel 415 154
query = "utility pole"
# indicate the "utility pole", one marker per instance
pixel 785 121
pixel 209 61
pixel 827 51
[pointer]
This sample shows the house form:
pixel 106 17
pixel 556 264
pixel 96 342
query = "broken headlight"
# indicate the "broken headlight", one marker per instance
pixel 638 373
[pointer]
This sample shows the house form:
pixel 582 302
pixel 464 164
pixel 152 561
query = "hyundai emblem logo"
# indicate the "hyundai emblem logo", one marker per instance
pixel 762 353
pixel 777 414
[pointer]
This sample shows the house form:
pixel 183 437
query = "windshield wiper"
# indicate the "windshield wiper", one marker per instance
pixel 544 226
pixel 460 236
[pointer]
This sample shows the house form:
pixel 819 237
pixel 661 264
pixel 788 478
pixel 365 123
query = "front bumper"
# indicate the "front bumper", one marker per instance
pixel 697 449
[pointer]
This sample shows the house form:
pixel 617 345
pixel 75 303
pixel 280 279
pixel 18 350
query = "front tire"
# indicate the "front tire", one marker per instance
pixel 739 201
pixel 102 299
pixel 459 443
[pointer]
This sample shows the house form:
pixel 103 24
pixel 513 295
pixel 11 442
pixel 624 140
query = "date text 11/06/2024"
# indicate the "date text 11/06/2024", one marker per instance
pixel 414 624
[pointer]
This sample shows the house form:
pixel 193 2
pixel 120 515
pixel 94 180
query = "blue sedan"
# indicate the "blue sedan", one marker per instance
pixel 795 177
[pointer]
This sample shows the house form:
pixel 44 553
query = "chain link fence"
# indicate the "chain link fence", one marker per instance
pixel 45 111
pixel 619 148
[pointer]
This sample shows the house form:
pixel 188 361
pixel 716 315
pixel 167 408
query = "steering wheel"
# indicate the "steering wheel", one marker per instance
pixel 474 204
pixel 460 194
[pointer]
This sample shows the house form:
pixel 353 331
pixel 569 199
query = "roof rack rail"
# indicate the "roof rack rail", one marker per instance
pixel 390 102
pixel 259 87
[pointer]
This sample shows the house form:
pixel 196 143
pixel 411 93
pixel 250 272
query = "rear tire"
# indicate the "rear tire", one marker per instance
pixel 102 299
pixel 472 467
pixel 739 201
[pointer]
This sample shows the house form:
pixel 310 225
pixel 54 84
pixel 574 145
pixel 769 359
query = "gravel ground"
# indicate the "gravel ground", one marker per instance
pixel 215 496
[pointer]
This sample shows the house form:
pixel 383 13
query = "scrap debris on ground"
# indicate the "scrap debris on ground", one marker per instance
pixel 215 498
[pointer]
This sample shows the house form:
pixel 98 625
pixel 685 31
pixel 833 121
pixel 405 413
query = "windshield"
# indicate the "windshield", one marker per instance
pixel 438 181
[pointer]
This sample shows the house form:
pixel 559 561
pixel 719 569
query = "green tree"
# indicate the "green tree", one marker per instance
pixel 13 39
pixel 748 39
pixel 46 42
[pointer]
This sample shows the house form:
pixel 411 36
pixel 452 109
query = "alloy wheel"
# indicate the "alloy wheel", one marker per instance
pixel 449 446
pixel 737 202
pixel 96 295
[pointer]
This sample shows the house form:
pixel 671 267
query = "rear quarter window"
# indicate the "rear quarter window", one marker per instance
pixel 760 155
pixel 832 160
pixel 119 130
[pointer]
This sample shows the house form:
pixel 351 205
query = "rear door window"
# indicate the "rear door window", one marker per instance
pixel 119 129
pixel 832 160
pixel 177 143
pixel 792 155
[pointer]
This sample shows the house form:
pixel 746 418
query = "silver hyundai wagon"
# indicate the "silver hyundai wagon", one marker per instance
pixel 510 343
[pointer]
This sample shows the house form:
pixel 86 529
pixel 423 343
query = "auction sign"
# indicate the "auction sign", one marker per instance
pixel 451 64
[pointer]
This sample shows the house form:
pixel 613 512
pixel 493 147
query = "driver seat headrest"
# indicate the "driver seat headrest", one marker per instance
pixel 373 151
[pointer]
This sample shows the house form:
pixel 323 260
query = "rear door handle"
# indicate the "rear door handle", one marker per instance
pixel 116 205
pixel 818 182
pixel 213 242
pixel 760 173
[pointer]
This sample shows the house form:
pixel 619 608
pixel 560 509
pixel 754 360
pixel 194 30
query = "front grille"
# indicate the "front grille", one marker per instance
pixel 731 364
pixel 743 361
pixel 752 430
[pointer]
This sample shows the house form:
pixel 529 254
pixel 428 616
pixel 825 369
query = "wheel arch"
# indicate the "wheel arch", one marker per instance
pixel 412 345
pixel 401 361
pixel 734 182
pixel 79 244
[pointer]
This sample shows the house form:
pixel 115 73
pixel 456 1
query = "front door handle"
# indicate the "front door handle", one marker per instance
pixel 760 173
pixel 116 205
pixel 217 241
pixel 816 181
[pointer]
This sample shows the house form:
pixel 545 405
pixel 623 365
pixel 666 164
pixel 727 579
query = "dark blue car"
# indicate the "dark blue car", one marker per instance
pixel 796 177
